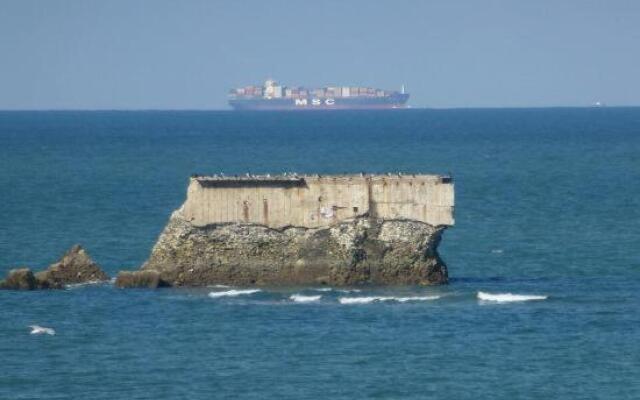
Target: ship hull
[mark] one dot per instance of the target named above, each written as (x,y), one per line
(329,103)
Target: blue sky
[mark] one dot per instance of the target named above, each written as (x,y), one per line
(187,54)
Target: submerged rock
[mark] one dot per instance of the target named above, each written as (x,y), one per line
(361,250)
(139,279)
(74,267)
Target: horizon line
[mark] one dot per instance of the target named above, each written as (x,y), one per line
(310,110)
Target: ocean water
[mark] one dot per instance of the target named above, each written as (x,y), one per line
(544,259)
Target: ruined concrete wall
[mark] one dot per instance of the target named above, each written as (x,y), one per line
(315,201)
(283,230)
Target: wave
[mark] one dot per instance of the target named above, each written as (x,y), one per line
(328,289)
(371,299)
(415,298)
(82,284)
(233,293)
(299,298)
(508,297)
(39,330)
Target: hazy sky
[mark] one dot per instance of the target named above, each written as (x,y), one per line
(187,54)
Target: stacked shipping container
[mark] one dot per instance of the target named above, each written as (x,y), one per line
(298,92)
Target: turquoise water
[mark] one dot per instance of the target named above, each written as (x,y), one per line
(547,203)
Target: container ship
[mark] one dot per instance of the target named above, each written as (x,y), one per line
(272,96)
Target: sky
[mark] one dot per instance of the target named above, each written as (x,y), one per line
(134,54)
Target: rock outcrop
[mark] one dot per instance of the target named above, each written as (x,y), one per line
(362,250)
(139,279)
(19,279)
(74,267)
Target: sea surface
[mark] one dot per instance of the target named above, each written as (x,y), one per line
(544,259)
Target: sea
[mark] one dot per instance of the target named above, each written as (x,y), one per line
(544,259)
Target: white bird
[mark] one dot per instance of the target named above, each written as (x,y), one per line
(39,330)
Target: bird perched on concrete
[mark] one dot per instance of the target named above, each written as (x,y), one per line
(40,330)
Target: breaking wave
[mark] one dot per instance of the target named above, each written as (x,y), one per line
(299,298)
(233,293)
(88,283)
(328,289)
(371,299)
(508,297)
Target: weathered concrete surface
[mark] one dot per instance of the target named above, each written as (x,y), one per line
(139,279)
(335,230)
(74,267)
(313,201)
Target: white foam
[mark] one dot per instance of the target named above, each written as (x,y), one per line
(329,289)
(41,330)
(77,285)
(349,290)
(508,297)
(221,286)
(233,293)
(371,299)
(357,300)
(416,298)
(497,251)
(299,298)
